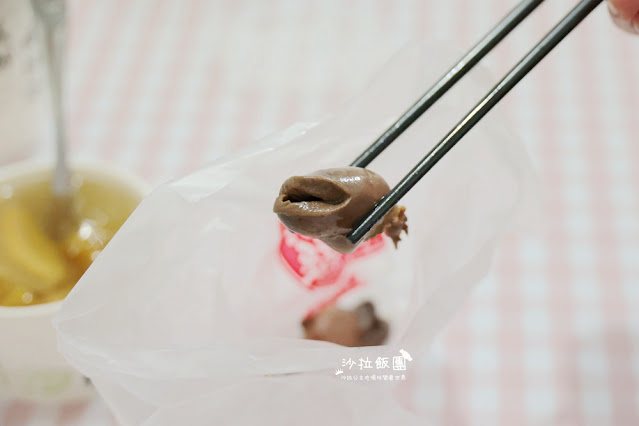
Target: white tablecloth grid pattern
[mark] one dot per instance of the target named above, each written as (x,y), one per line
(552,336)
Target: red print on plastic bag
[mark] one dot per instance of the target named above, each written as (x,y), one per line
(314,264)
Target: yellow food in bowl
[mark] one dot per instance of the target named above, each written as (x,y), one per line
(34,268)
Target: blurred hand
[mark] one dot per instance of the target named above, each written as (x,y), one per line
(625,13)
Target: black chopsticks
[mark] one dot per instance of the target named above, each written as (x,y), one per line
(552,39)
(460,69)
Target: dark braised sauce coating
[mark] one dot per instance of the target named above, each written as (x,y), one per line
(327,204)
(359,327)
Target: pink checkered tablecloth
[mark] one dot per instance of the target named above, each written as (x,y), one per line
(552,335)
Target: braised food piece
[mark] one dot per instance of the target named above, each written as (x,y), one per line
(327,204)
(359,327)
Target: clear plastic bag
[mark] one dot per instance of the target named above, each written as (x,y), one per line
(192,313)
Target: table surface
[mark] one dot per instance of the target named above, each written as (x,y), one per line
(552,336)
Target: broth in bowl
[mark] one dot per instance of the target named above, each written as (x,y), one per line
(34,267)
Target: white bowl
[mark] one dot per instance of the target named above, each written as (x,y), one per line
(30,366)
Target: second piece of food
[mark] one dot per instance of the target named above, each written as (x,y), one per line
(359,327)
